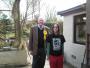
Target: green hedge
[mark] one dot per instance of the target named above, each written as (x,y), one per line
(51,24)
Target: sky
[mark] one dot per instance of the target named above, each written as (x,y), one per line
(58,5)
(61,5)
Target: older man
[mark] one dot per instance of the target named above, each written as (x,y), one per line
(36,44)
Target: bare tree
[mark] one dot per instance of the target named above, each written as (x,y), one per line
(51,15)
(32,10)
(16,17)
(32,6)
(8,3)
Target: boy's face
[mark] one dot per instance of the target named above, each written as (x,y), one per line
(55,28)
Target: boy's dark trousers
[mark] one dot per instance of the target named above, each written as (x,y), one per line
(39,59)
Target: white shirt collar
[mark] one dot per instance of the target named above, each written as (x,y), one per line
(41,27)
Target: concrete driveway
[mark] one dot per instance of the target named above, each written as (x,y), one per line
(47,65)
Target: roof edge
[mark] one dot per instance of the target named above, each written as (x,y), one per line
(76,9)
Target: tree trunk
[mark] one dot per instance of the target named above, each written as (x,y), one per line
(16,17)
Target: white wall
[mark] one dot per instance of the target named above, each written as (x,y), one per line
(71,48)
(88,16)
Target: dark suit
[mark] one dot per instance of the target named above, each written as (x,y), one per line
(39,55)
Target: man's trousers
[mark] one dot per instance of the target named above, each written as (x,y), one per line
(39,59)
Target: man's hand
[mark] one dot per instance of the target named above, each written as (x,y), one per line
(31,52)
(47,57)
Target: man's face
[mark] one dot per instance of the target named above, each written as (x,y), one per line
(41,22)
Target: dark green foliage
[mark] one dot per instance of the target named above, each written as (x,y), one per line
(6,30)
(51,24)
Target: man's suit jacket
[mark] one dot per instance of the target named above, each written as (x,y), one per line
(33,39)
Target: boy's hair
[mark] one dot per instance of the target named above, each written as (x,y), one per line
(58,28)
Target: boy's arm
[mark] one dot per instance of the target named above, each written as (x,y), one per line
(48,49)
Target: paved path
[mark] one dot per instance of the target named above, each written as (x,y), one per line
(29,66)
(47,65)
